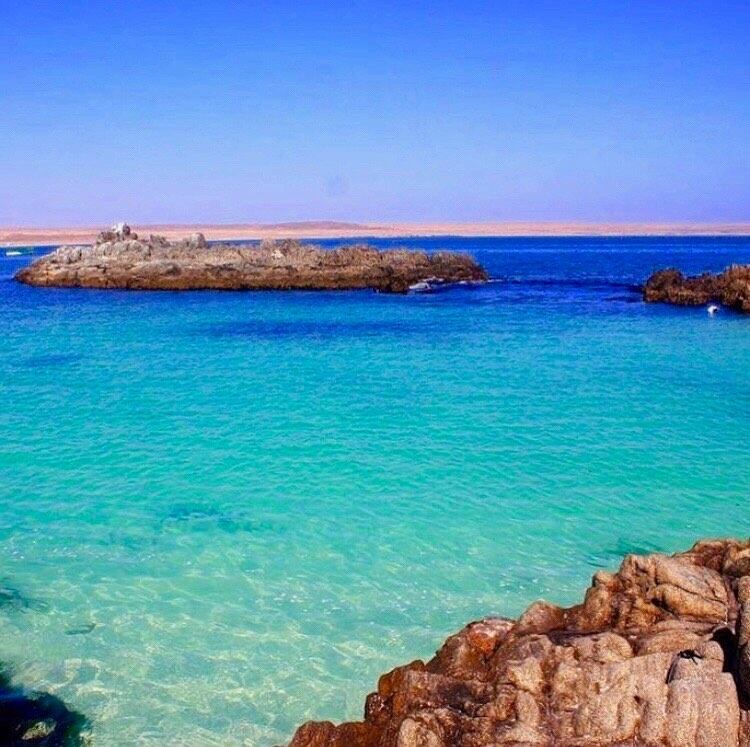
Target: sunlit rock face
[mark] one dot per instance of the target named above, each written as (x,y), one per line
(657,654)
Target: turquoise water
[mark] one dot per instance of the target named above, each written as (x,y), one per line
(226,513)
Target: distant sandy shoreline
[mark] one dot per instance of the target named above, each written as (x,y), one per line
(22,236)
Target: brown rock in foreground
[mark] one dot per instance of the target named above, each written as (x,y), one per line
(731,288)
(657,654)
(120,260)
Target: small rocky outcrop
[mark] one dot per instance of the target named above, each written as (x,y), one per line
(119,259)
(657,654)
(38,719)
(730,288)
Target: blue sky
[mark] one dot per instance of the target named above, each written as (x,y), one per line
(244,111)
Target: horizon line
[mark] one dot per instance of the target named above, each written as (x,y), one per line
(322,229)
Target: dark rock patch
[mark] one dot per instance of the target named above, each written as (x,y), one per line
(34,719)
(14,600)
(50,360)
(298,329)
(208,518)
(84,629)
(730,288)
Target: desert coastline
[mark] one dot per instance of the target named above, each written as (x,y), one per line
(375,375)
(52,235)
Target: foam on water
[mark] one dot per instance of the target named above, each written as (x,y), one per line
(225,513)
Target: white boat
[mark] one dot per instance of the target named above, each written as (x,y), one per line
(712,309)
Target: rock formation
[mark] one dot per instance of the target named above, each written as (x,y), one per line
(120,260)
(657,654)
(38,719)
(731,288)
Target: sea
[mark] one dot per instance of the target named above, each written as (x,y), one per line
(225,513)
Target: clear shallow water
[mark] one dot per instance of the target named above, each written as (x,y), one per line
(222,513)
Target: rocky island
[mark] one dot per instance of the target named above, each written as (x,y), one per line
(119,259)
(657,654)
(730,288)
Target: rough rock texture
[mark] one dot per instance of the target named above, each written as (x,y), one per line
(657,654)
(120,260)
(731,288)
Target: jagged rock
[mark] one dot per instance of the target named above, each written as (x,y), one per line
(730,288)
(118,232)
(121,230)
(119,260)
(197,240)
(657,654)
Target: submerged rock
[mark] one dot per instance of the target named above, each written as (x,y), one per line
(120,260)
(13,599)
(37,719)
(657,654)
(730,288)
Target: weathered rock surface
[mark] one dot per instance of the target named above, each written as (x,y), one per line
(657,654)
(731,288)
(120,260)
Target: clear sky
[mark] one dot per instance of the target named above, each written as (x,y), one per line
(217,111)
